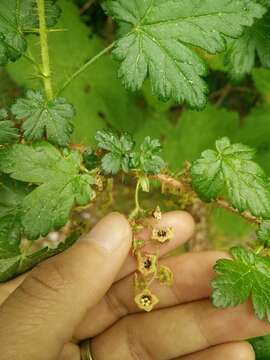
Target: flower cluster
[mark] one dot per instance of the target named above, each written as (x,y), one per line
(148,268)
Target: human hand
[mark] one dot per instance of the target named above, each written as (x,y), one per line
(70,298)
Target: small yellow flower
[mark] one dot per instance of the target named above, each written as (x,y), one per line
(146,300)
(147,264)
(165,275)
(157,214)
(163,235)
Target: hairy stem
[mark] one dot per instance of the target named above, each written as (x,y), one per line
(184,187)
(43,33)
(84,67)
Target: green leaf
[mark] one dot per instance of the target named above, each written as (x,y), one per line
(10,235)
(147,158)
(263,233)
(207,177)
(96,103)
(261,346)
(119,149)
(161,32)
(8,268)
(8,133)
(231,170)
(50,119)
(258,119)
(261,78)
(255,40)
(12,194)
(247,274)
(16,17)
(90,159)
(14,266)
(60,184)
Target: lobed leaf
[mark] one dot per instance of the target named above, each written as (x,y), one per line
(16,17)
(60,185)
(118,149)
(147,159)
(161,38)
(42,118)
(247,274)
(231,171)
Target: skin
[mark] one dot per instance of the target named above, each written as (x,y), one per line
(87,292)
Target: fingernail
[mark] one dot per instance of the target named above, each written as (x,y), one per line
(110,232)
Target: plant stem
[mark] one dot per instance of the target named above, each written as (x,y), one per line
(46,71)
(84,67)
(138,208)
(185,187)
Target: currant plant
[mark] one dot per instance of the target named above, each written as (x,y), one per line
(46,179)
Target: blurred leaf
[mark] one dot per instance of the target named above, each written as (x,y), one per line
(261,346)
(261,78)
(14,266)
(254,41)
(255,132)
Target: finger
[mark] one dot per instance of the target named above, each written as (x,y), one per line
(193,273)
(7,289)
(183,227)
(177,331)
(232,351)
(57,294)
(181,222)
(70,352)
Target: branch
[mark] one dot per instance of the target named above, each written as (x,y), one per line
(46,71)
(184,187)
(246,215)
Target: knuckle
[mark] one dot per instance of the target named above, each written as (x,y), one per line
(44,281)
(115,305)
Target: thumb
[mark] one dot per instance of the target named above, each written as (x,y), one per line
(42,313)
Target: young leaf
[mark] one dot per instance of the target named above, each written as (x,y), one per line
(17,16)
(60,184)
(118,151)
(255,40)
(247,274)
(147,158)
(16,265)
(231,170)
(52,119)
(159,43)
